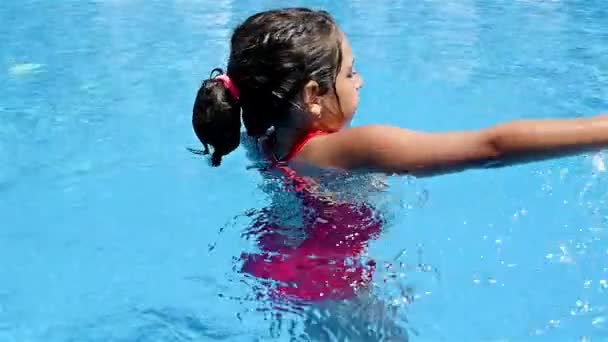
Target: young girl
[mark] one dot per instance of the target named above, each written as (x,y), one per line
(291,79)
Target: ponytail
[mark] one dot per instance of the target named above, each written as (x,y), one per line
(216,116)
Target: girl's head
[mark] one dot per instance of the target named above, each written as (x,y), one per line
(292,68)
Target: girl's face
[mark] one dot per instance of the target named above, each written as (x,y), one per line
(338,111)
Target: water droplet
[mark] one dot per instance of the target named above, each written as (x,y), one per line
(598,163)
(598,321)
(539,332)
(581,308)
(565,258)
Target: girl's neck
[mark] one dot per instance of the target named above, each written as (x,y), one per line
(285,140)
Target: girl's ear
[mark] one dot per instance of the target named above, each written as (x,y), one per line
(311,99)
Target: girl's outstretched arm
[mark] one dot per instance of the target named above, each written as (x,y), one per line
(395,150)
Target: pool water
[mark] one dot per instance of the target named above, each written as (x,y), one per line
(111,231)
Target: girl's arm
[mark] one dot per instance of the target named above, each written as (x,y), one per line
(391,149)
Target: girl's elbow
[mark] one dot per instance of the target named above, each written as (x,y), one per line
(494,147)
(495,151)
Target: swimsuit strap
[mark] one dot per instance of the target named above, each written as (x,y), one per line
(299,183)
(300,145)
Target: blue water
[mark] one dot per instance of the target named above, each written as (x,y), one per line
(107,222)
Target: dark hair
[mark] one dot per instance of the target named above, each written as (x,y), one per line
(273,55)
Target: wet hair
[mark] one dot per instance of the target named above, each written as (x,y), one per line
(273,55)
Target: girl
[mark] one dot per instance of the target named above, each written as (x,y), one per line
(291,79)
(291,75)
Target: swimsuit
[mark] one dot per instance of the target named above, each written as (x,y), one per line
(327,263)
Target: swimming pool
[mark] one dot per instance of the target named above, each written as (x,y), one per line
(111,231)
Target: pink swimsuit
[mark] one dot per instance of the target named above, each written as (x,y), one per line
(327,263)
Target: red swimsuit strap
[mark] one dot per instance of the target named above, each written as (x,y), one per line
(298,182)
(300,145)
